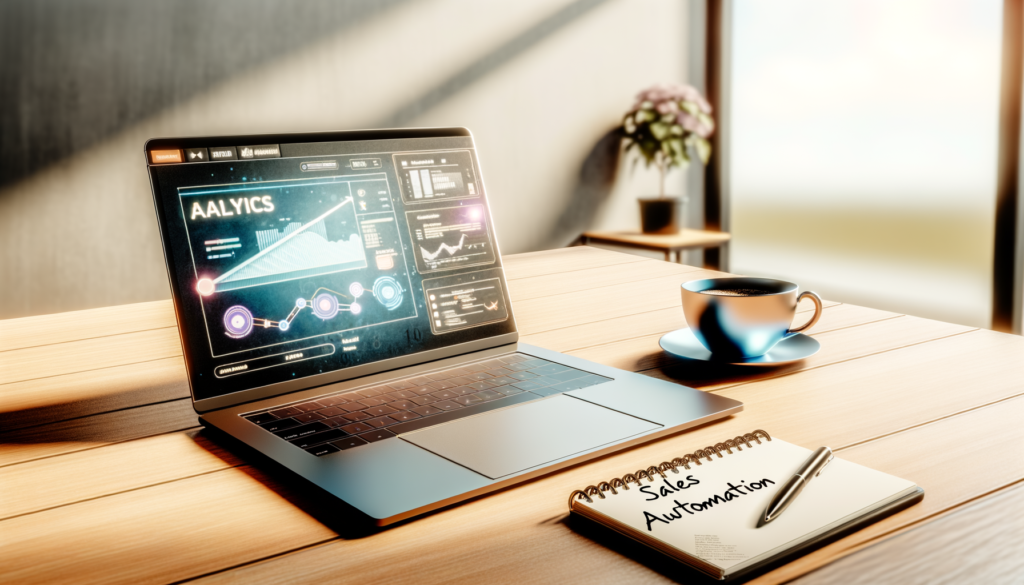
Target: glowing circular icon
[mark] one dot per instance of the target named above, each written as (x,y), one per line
(283,325)
(238,321)
(325,306)
(355,289)
(300,303)
(388,292)
(356,308)
(206,287)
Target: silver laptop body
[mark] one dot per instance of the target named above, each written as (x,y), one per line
(345,318)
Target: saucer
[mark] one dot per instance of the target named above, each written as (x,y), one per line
(683,343)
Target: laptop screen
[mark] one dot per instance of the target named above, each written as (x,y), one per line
(292,262)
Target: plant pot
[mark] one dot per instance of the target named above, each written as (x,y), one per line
(661,215)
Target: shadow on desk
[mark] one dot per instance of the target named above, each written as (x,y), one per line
(631,549)
(348,522)
(49,399)
(704,375)
(62,432)
(664,565)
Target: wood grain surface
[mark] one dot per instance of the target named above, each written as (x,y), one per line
(106,477)
(983,555)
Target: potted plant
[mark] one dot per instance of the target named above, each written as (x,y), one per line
(666,124)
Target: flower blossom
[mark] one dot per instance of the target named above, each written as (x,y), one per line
(660,95)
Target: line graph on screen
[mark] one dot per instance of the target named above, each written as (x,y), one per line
(297,251)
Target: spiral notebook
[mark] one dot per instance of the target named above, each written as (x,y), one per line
(703,508)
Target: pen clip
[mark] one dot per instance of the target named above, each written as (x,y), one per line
(831,456)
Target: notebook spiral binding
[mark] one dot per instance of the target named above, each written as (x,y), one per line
(684,461)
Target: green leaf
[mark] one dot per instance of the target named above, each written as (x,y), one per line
(703,148)
(660,130)
(649,148)
(675,150)
(706,119)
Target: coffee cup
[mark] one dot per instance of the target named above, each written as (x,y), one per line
(743,317)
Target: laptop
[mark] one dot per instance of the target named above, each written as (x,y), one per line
(344,312)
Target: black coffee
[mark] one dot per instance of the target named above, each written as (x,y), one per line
(736,292)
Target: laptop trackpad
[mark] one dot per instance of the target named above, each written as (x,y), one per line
(514,439)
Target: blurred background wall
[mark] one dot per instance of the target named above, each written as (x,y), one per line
(86,82)
(860,141)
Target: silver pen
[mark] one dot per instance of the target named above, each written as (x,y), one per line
(792,488)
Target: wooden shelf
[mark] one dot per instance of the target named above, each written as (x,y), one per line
(686,239)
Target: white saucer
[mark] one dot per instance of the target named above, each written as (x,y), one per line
(683,343)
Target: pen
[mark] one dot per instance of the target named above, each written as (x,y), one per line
(792,488)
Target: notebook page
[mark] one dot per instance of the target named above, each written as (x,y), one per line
(711,511)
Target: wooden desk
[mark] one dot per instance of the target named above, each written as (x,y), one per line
(670,244)
(105,476)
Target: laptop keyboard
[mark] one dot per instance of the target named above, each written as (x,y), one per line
(344,420)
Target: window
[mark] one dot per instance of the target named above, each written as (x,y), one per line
(863,150)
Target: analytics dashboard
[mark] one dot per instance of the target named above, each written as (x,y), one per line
(285,264)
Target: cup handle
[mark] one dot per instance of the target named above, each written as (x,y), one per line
(817,312)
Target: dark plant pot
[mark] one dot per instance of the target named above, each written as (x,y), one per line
(662,215)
